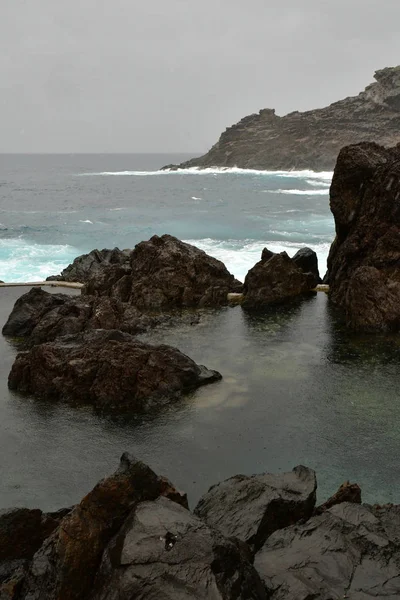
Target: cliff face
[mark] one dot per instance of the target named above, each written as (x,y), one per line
(312,139)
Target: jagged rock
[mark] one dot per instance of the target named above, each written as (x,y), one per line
(363,263)
(350,551)
(166,273)
(348,492)
(252,507)
(22,532)
(307,260)
(91,265)
(312,139)
(275,279)
(41,317)
(65,566)
(164,552)
(110,370)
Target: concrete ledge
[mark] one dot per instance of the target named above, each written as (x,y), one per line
(66,284)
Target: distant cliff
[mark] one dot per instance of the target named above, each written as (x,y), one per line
(312,139)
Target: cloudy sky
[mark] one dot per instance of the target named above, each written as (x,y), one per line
(165,76)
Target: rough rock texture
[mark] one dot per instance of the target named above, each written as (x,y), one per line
(251,508)
(22,532)
(364,260)
(65,566)
(166,273)
(165,552)
(350,551)
(348,492)
(312,139)
(307,260)
(42,317)
(91,265)
(275,279)
(110,370)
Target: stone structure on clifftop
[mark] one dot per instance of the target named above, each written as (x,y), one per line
(311,139)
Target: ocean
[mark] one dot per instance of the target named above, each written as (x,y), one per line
(55,207)
(297,387)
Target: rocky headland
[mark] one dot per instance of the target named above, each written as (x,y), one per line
(258,537)
(311,139)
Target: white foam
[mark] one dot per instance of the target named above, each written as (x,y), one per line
(195,198)
(323,192)
(322,175)
(86,221)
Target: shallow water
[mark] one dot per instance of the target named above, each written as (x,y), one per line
(297,388)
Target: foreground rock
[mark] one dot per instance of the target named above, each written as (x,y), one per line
(307,260)
(91,265)
(166,273)
(363,263)
(109,370)
(312,139)
(251,508)
(275,279)
(350,551)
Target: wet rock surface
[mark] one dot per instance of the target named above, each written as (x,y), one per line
(312,139)
(274,280)
(109,370)
(363,263)
(91,265)
(166,273)
(307,260)
(252,507)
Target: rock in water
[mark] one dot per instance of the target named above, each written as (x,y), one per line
(166,273)
(108,369)
(275,279)
(65,566)
(163,551)
(350,551)
(312,139)
(307,260)
(363,263)
(252,507)
(91,265)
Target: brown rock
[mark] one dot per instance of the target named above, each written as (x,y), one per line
(363,263)
(110,370)
(90,265)
(22,532)
(275,279)
(348,492)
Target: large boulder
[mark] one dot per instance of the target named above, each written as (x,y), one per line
(64,568)
(166,273)
(39,316)
(164,552)
(109,370)
(252,507)
(350,551)
(275,279)
(363,263)
(91,265)
(307,260)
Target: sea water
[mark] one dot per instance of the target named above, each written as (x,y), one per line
(53,208)
(297,387)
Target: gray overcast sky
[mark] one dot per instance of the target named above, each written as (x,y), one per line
(170,75)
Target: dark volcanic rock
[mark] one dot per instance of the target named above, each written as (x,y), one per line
(350,551)
(364,260)
(251,508)
(348,492)
(275,279)
(65,566)
(22,532)
(109,370)
(165,552)
(307,260)
(91,265)
(42,317)
(166,273)
(312,139)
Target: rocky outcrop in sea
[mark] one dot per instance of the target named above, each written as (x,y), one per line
(311,139)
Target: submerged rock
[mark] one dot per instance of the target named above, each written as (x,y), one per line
(109,370)
(363,263)
(311,139)
(350,551)
(166,273)
(275,279)
(91,265)
(252,507)
(163,551)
